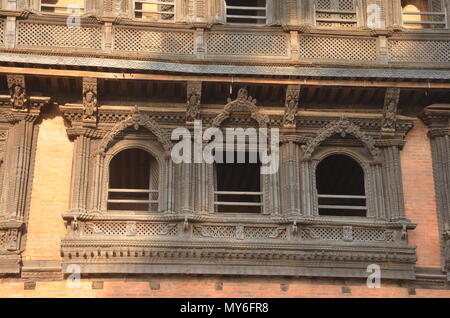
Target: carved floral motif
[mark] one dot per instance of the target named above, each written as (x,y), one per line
(136,120)
(342,127)
(243,102)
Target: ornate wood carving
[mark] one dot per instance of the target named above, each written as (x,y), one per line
(90,99)
(341,127)
(243,102)
(17,90)
(136,120)
(437,118)
(389,120)
(194,96)
(291,106)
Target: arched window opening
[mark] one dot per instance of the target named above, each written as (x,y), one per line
(419,14)
(63,6)
(246,11)
(238,186)
(340,187)
(133,181)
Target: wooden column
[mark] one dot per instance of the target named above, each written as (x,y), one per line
(291,193)
(80,171)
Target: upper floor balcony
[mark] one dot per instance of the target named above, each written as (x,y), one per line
(403,33)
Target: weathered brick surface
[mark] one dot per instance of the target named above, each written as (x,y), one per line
(420,199)
(205,287)
(50,189)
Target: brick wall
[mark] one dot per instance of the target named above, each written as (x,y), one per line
(420,199)
(50,189)
(189,287)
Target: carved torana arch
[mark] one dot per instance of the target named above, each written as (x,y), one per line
(136,120)
(341,127)
(243,101)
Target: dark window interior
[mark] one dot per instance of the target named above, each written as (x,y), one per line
(246,15)
(238,177)
(135,172)
(342,179)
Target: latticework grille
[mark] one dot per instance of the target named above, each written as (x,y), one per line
(156,229)
(2,32)
(105,228)
(228,231)
(53,35)
(322,233)
(124,229)
(147,41)
(2,239)
(337,48)
(372,235)
(264,233)
(337,234)
(214,231)
(336,13)
(246,44)
(419,51)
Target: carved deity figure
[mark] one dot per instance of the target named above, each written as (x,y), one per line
(18,97)
(193,105)
(291,109)
(89,103)
(390,115)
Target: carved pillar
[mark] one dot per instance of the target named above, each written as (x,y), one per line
(437,118)
(291,192)
(204,188)
(17,165)
(96,188)
(307,13)
(217,11)
(394,14)
(80,171)
(19,114)
(392,181)
(168,204)
(307,188)
(277,12)
(10,32)
(378,195)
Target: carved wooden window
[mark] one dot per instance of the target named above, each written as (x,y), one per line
(156,10)
(336,13)
(63,6)
(238,185)
(340,187)
(424,14)
(133,181)
(246,11)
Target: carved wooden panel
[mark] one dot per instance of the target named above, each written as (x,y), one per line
(431,51)
(247,44)
(58,36)
(154,41)
(337,48)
